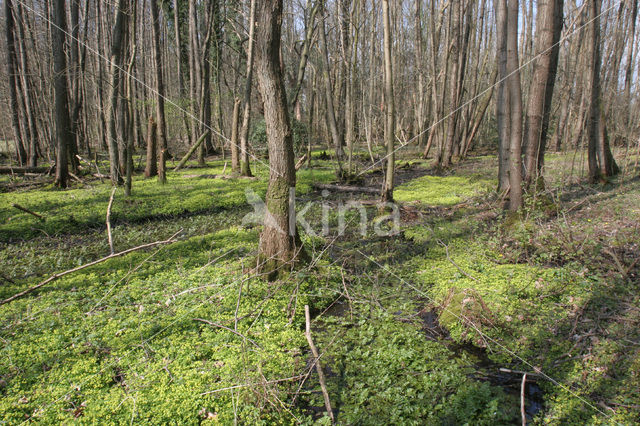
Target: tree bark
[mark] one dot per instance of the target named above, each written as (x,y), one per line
(280,246)
(332,124)
(548,29)
(515,104)
(151,168)
(245,169)
(159,89)
(390,128)
(13,82)
(113,89)
(63,121)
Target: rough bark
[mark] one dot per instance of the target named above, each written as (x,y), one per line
(13,82)
(389,136)
(515,113)
(280,245)
(548,29)
(113,89)
(159,89)
(63,121)
(151,168)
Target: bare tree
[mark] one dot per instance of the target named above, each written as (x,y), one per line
(113,89)
(12,73)
(280,245)
(390,128)
(63,121)
(515,108)
(245,169)
(548,29)
(161,130)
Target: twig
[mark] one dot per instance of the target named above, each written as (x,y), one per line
(108,220)
(26,210)
(81,267)
(213,324)
(446,248)
(523,413)
(314,351)
(224,169)
(288,379)
(7,279)
(235,316)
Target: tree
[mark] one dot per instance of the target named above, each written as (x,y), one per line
(548,30)
(113,89)
(390,128)
(515,108)
(63,121)
(332,124)
(161,130)
(502,103)
(245,170)
(12,73)
(280,244)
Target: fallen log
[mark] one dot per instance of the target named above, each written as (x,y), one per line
(191,151)
(86,265)
(22,170)
(347,188)
(220,177)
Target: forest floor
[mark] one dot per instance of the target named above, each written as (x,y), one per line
(432,325)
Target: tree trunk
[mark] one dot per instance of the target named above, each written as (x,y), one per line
(280,246)
(13,82)
(389,136)
(113,89)
(245,169)
(332,124)
(162,127)
(63,121)
(502,101)
(548,29)
(235,160)
(515,104)
(151,168)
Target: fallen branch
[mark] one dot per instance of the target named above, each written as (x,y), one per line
(213,324)
(81,267)
(314,351)
(15,170)
(108,220)
(26,210)
(76,178)
(220,177)
(347,188)
(301,161)
(191,151)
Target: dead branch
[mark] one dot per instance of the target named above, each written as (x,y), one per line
(301,161)
(22,170)
(314,351)
(191,151)
(220,177)
(213,324)
(347,188)
(26,210)
(86,265)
